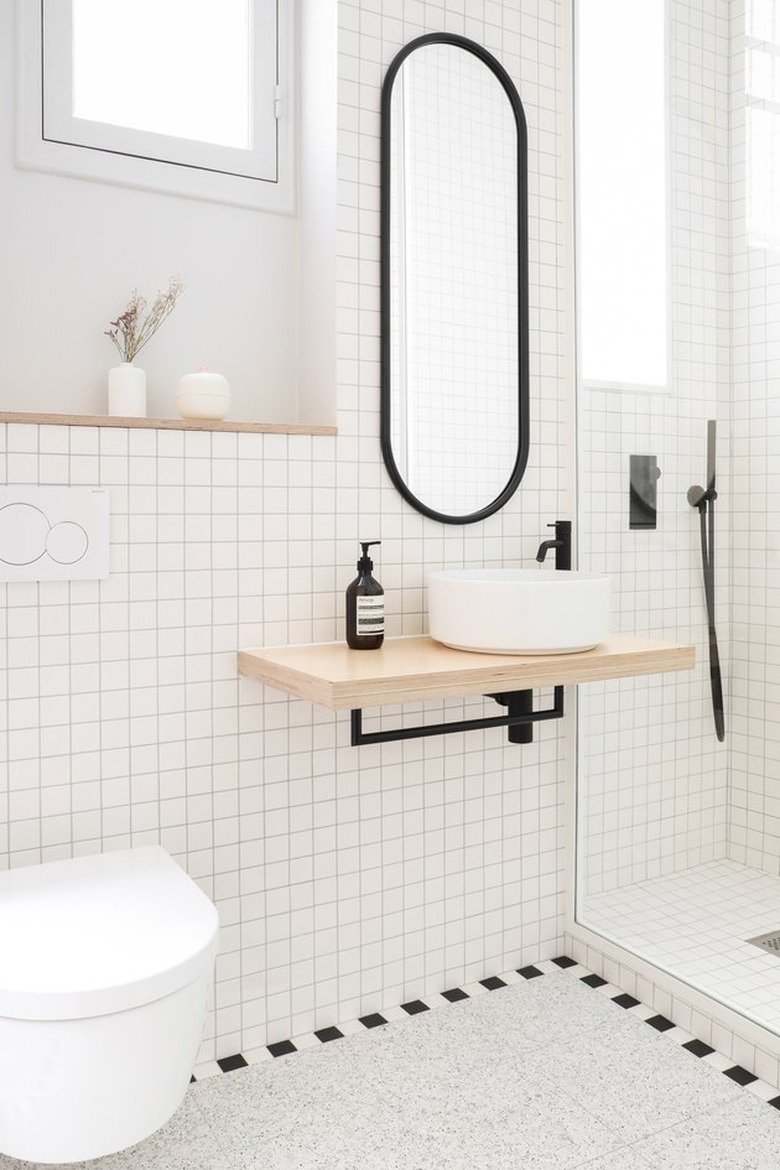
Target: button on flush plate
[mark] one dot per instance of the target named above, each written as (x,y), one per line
(50,533)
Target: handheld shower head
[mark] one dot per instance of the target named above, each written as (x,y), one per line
(697,496)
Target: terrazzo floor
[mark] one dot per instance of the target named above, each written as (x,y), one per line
(541,1074)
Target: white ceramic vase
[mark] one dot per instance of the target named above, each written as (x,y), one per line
(127,391)
(203,395)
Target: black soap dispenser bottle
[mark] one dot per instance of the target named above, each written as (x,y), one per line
(365,606)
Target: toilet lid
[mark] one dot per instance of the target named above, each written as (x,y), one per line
(99,934)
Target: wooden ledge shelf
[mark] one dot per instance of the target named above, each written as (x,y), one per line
(413,669)
(164,424)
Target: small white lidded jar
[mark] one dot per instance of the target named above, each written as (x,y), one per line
(203,395)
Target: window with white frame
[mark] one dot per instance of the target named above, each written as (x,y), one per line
(178,95)
(621,154)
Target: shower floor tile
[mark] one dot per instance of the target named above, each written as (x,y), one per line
(695,924)
(553,1073)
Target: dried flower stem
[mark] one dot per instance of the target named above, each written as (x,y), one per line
(132,330)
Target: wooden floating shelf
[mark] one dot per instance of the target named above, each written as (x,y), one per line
(412,669)
(164,424)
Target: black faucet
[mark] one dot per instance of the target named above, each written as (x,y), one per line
(561,544)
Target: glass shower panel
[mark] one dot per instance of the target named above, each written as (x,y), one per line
(678,836)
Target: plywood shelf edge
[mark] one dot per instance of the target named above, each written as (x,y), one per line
(164,424)
(417,669)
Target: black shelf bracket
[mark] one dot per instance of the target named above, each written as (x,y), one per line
(519,721)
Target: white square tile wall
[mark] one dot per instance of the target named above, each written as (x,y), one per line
(346,879)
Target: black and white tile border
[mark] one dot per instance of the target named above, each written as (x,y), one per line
(735,1072)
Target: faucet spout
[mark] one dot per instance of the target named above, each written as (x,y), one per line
(545,547)
(561,543)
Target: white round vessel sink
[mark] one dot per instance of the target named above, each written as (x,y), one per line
(519,611)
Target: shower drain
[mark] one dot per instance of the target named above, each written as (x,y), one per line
(768,942)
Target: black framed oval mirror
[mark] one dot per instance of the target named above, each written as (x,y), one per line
(454,303)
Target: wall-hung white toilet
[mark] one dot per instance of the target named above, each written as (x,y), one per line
(105,967)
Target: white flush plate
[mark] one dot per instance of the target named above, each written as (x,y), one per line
(53,533)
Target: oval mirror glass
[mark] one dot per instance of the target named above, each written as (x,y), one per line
(454,279)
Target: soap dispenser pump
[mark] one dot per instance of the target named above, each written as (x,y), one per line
(365,606)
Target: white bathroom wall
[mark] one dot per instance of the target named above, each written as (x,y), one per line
(755,138)
(347,879)
(317,210)
(653,779)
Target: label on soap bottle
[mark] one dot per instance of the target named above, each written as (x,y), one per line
(370,614)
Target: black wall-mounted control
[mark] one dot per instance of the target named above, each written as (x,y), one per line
(643,481)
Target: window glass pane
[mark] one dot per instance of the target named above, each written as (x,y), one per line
(763,74)
(763,173)
(175,67)
(762,120)
(622,192)
(762,20)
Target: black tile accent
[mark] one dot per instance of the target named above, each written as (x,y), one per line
(414,1007)
(563,961)
(372,1021)
(326,1034)
(231,1063)
(660,1023)
(493,983)
(282,1048)
(698,1048)
(593,981)
(740,1075)
(625,1000)
(455,993)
